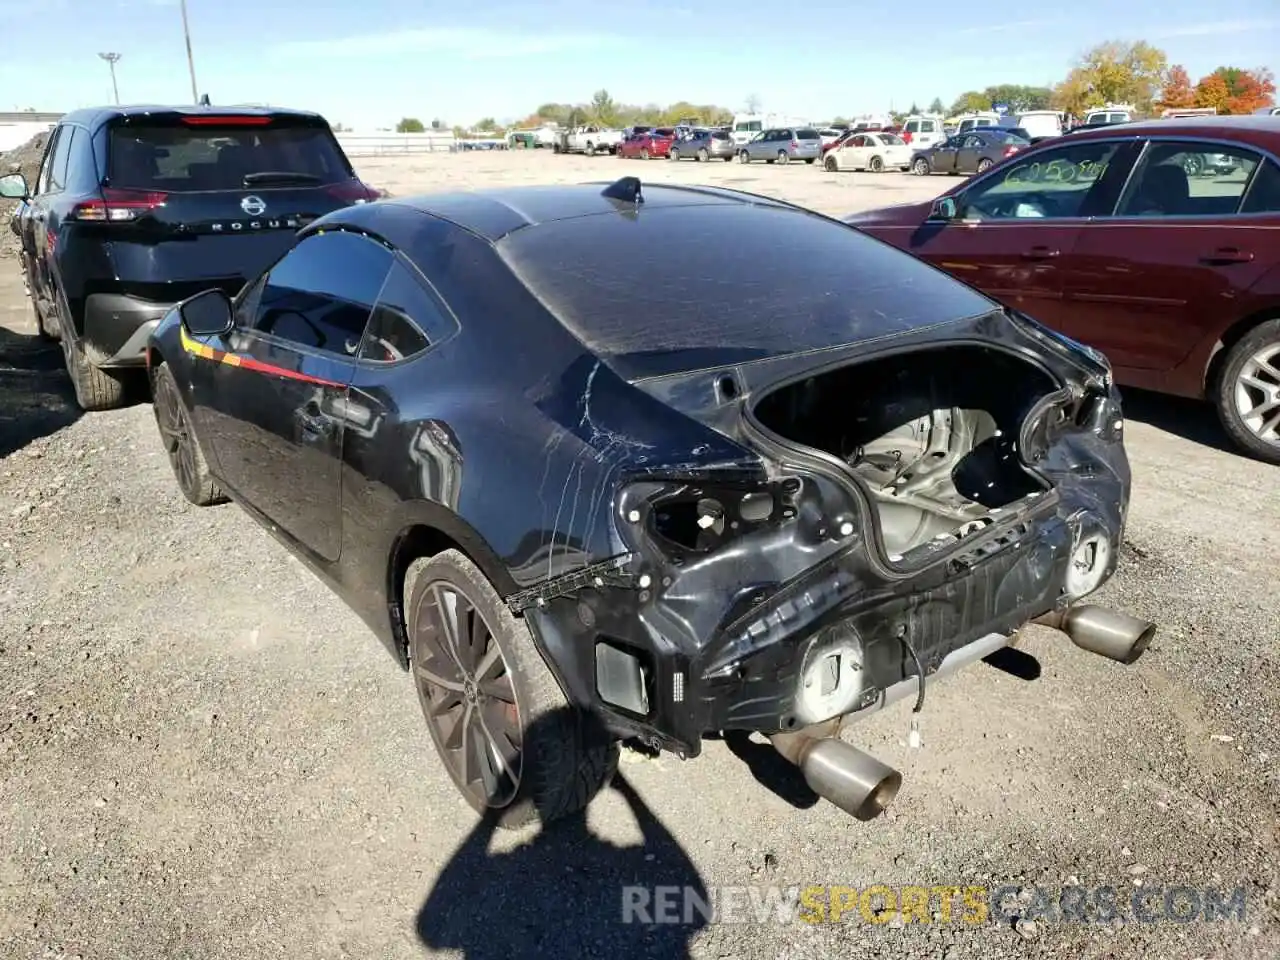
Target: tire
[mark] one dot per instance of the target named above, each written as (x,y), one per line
(984,165)
(96,389)
(1244,381)
(673,154)
(591,149)
(644,154)
(921,167)
(180,441)
(875,165)
(744,157)
(830,165)
(563,759)
(703,154)
(1193,164)
(783,156)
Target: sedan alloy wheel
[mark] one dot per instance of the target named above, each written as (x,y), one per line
(920,167)
(1257,393)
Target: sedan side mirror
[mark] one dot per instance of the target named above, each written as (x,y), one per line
(14,187)
(945,208)
(207,314)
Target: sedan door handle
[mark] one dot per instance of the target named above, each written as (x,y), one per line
(1228,255)
(1041,253)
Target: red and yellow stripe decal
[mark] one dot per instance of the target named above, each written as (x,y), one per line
(202,350)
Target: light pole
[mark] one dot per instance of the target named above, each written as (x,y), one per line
(111,59)
(191,64)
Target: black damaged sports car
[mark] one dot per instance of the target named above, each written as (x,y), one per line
(601,462)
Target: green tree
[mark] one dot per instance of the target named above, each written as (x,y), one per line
(603,110)
(1018,96)
(487,123)
(936,106)
(913,110)
(970,101)
(410,125)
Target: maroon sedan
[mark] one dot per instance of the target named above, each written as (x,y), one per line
(647,145)
(1157,243)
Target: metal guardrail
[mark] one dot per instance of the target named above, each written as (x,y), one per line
(382,144)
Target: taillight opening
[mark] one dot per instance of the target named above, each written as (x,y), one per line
(118,206)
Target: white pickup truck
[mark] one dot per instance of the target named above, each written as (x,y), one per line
(590,139)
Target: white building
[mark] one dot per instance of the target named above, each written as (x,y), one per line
(17,128)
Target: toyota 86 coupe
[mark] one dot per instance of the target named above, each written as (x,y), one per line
(592,475)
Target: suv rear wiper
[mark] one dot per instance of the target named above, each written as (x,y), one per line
(279,176)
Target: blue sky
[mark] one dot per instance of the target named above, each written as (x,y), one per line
(370,62)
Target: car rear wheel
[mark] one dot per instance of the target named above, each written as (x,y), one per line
(180,443)
(508,737)
(876,165)
(744,157)
(984,165)
(783,157)
(644,154)
(830,165)
(704,154)
(1247,392)
(920,167)
(96,389)
(673,154)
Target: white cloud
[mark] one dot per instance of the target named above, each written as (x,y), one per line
(468,42)
(1218,28)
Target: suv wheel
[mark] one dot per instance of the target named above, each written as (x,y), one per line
(511,742)
(1247,392)
(96,389)
(783,156)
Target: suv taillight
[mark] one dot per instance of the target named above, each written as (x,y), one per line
(354,191)
(118,206)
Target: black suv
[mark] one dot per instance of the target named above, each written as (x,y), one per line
(137,208)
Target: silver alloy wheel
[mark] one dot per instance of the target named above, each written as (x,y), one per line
(921,167)
(1257,394)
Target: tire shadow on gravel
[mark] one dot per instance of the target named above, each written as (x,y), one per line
(1189,419)
(564,893)
(36,397)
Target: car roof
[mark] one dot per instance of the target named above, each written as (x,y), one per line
(495,213)
(94,117)
(1247,127)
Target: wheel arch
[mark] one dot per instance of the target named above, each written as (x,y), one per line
(1229,338)
(423,535)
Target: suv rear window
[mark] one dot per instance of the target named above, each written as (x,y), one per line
(720,135)
(808,135)
(174,157)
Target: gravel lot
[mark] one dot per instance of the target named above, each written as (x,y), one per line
(203,754)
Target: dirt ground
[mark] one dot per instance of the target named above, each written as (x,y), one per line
(204,755)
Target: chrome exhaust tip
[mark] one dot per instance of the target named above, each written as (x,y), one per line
(1108,633)
(839,772)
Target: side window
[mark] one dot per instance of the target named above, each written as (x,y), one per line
(320,294)
(1181,179)
(1052,183)
(50,154)
(913,126)
(407,318)
(61,157)
(1264,192)
(928,126)
(972,143)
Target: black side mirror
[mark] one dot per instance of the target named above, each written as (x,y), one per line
(207,314)
(945,208)
(14,187)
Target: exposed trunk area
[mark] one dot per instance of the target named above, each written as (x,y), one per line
(932,435)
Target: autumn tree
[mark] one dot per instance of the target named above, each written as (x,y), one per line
(1114,72)
(1240,91)
(1212,91)
(1176,93)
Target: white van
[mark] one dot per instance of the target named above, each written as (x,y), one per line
(747,125)
(1041,123)
(1111,113)
(971,121)
(920,132)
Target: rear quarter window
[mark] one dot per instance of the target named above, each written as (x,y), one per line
(175,157)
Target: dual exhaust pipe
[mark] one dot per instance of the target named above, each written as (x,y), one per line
(863,787)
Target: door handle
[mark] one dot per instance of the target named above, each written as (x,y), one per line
(1228,255)
(1040,253)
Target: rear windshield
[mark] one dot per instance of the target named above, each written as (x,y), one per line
(808,135)
(1015,136)
(174,157)
(640,290)
(720,135)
